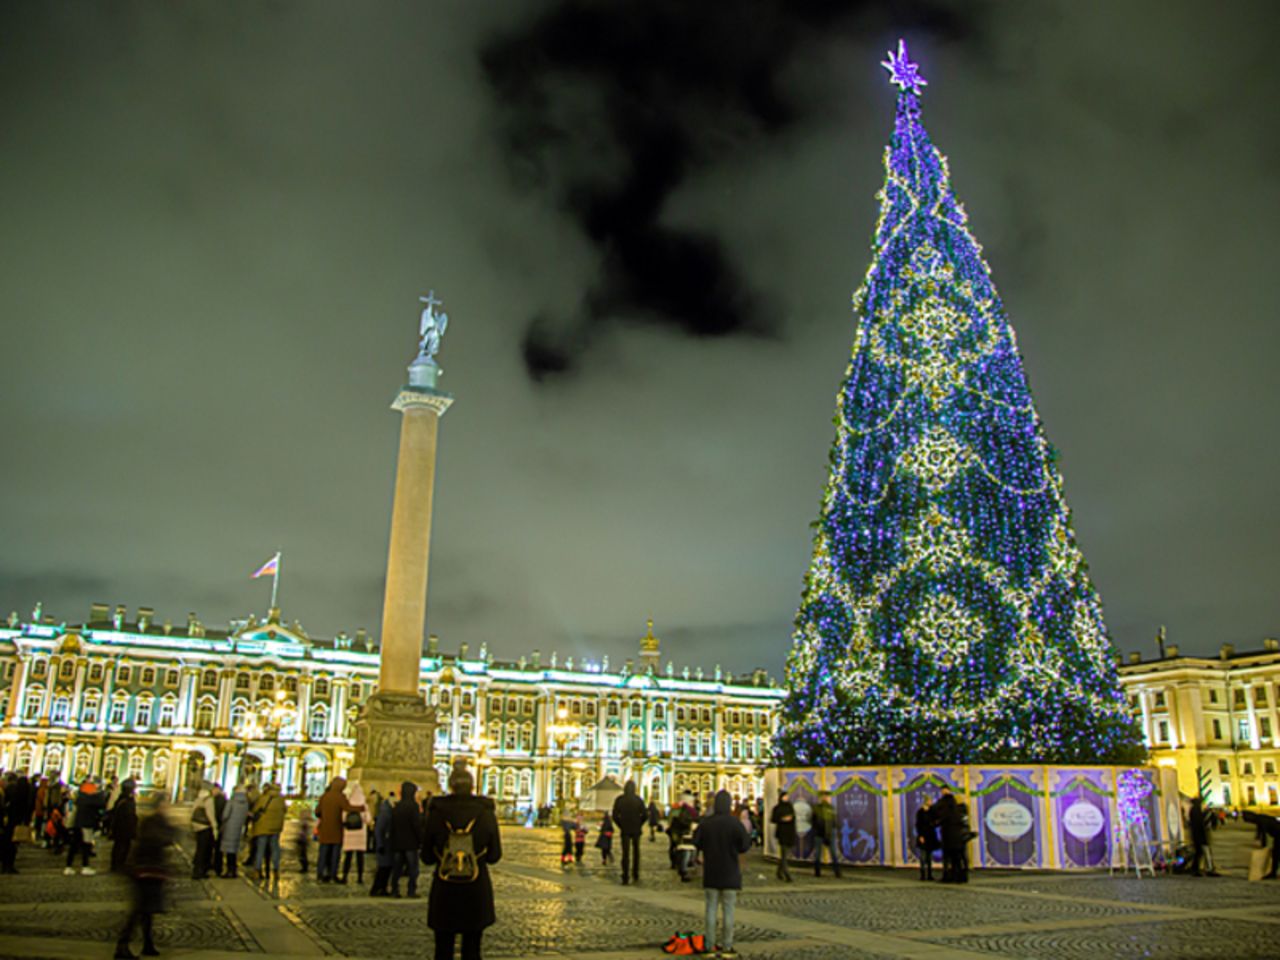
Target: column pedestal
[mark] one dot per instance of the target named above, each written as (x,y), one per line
(395,741)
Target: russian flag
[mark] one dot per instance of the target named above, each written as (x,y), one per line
(268,569)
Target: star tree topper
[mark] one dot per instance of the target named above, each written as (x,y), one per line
(902,72)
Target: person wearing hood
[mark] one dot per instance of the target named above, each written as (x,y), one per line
(462,840)
(926,838)
(355,833)
(629,816)
(235,814)
(722,839)
(406,839)
(655,818)
(783,819)
(219,808)
(604,841)
(85,824)
(382,848)
(124,825)
(332,811)
(268,823)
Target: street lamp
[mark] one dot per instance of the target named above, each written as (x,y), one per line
(561,732)
(253,729)
(480,744)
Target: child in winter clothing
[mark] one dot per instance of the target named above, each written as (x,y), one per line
(579,838)
(604,842)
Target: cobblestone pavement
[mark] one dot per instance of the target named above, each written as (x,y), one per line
(583,911)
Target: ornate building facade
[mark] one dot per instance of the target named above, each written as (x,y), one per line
(172,705)
(1215,719)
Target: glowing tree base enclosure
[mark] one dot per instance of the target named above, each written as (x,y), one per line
(947,614)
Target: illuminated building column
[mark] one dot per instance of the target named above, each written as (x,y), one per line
(395,734)
(1253,717)
(17,689)
(226,690)
(304,707)
(77,693)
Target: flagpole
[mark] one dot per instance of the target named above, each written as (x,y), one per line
(275,581)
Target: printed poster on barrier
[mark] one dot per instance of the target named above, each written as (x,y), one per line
(803,785)
(1082,804)
(1008,817)
(913,786)
(859,797)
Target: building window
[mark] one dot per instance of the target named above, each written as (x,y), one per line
(1264,726)
(319,728)
(239,713)
(118,708)
(39,667)
(680,714)
(1260,696)
(1269,768)
(1224,768)
(95,673)
(1159,700)
(527,707)
(637,710)
(1247,770)
(1213,696)
(1238,697)
(242,681)
(124,674)
(148,676)
(575,708)
(67,669)
(61,710)
(1164,731)
(613,708)
(291,684)
(90,712)
(591,708)
(137,763)
(35,699)
(204,716)
(266,683)
(1226,795)
(468,700)
(445,698)
(142,715)
(168,712)
(495,704)
(659,712)
(1217,729)
(171,678)
(1242,729)
(209,678)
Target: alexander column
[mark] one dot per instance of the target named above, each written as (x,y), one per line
(395,733)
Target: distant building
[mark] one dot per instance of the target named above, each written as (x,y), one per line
(1213,716)
(170,705)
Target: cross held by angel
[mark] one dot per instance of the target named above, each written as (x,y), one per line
(432,326)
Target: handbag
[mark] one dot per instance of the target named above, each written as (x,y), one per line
(22,833)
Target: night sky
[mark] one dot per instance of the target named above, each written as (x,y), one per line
(645,218)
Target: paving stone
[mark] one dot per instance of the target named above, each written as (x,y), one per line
(1200,939)
(207,928)
(909,908)
(1178,891)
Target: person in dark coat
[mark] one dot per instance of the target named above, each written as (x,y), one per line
(630,816)
(124,825)
(219,814)
(604,842)
(824,833)
(90,803)
(1268,828)
(458,908)
(655,819)
(954,822)
(406,839)
(926,838)
(722,839)
(148,870)
(783,819)
(386,858)
(1199,836)
(943,814)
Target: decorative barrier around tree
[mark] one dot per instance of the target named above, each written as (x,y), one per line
(1025,816)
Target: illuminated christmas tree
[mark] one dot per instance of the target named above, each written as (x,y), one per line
(947,613)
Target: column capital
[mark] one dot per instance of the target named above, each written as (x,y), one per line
(411,398)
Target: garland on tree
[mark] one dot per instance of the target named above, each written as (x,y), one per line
(947,614)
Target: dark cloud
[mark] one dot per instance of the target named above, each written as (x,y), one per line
(609,109)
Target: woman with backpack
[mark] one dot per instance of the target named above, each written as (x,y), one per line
(355,833)
(462,840)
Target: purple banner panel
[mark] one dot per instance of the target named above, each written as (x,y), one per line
(859,797)
(803,785)
(1082,807)
(915,785)
(1008,816)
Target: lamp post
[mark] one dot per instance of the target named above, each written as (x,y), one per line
(480,745)
(561,732)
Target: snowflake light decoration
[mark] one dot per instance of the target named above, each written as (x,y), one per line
(902,72)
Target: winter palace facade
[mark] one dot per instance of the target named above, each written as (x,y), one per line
(170,705)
